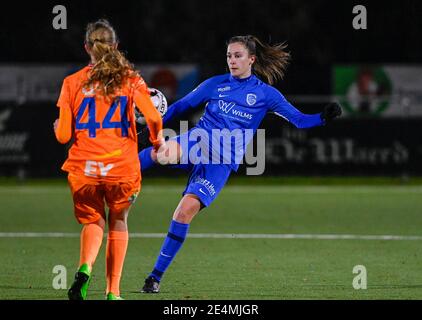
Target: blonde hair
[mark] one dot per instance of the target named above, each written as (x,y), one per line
(271,60)
(111,68)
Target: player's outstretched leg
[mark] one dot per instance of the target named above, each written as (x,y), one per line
(188,207)
(173,242)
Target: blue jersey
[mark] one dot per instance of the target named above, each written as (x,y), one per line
(239,105)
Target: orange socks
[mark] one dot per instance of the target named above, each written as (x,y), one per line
(91,239)
(117,242)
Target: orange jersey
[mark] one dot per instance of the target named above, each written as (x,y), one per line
(105,146)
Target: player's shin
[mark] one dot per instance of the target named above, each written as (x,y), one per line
(117,242)
(173,242)
(91,239)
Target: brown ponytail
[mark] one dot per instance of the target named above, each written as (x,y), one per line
(111,68)
(271,60)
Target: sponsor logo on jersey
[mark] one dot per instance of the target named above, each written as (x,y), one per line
(228,108)
(226,88)
(224,106)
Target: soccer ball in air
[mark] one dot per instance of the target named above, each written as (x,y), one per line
(159,101)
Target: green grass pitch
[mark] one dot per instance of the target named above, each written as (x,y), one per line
(228,268)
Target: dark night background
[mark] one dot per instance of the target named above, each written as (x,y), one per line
(319,34)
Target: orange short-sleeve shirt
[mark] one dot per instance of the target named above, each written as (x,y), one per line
(105,139)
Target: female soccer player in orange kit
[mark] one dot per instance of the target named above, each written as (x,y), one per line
(103,167)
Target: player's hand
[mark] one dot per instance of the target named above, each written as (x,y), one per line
(157,144)
(169,153)
(331,111)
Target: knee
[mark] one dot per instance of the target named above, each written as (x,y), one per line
(187,210)
(117,217)
(100,222)
(183,216)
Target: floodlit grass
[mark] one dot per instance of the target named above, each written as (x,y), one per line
(228,268)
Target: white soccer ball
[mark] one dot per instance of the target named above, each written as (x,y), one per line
(159,101)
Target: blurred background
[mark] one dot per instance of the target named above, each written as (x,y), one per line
(376,74)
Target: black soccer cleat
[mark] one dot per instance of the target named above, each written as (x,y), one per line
(151,285)
(79,288)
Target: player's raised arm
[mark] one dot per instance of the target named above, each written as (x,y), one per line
(193,99)
(152,117)
(281,107)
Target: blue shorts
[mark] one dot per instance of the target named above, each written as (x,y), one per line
(206,180)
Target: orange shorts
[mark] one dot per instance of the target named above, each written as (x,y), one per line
(90,198)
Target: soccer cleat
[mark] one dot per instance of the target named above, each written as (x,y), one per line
(151,285)
(112,296)
(79,287)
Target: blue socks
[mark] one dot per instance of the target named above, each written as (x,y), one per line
(145,159)
(173,242)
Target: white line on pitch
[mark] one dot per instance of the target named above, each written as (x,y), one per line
(223,236)
(155,190)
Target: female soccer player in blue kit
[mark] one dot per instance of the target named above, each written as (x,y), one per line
(237,101)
